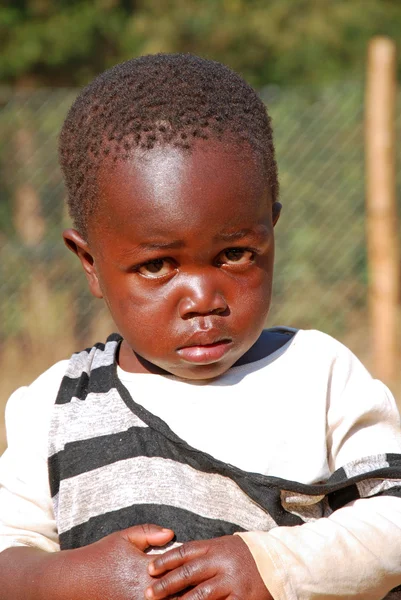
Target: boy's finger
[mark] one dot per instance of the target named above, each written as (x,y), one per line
(186,576)
(143,536)
(176,557)
(208,589)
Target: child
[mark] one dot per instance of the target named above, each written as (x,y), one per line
(257,463)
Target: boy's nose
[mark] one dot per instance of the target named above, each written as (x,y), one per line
(201,297)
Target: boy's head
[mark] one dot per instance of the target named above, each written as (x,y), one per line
(174,99)
(172,185)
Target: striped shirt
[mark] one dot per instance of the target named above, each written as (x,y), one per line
(113,463)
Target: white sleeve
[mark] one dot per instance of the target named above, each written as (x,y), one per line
(26,509)
(355,553)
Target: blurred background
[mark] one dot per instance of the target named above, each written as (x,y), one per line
(307,59)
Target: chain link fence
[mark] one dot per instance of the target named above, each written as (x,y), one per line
(320,276)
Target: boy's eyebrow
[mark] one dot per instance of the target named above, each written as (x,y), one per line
(225,237)
(162,245)
(237,235)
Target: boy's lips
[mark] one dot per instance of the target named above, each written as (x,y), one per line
(203,352)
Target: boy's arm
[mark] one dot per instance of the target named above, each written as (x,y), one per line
(26,510)
(114,567)
(355,552)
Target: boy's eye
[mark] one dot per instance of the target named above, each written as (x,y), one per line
(156,268)
(238,256)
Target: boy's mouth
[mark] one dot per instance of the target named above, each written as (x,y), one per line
(205,353)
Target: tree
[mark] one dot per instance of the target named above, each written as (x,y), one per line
(67,42)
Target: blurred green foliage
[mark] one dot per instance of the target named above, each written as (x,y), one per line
(67,42)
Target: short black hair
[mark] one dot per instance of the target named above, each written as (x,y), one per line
(160,98)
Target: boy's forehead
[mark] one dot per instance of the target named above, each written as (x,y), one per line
(181,184)
(166,168)
(149,174)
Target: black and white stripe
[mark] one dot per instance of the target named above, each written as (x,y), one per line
(112,464)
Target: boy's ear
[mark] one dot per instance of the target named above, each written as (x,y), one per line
(276,211)
(79,246)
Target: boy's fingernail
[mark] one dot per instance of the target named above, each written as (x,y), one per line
(149,594)
(167,530)
(151,568)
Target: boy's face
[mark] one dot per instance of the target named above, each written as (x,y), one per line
(181,248)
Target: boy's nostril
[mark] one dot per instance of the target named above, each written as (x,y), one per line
(190,308)
(216,311)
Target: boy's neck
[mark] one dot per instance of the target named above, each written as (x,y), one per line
(268,342)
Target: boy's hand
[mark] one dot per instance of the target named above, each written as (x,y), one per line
(217,569)
(114,567)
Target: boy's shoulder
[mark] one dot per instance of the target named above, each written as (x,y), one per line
(44,387)
(307,340)
(101,354)
(312,349)
(288,344)
(42,392)
(28,410)
(318,342)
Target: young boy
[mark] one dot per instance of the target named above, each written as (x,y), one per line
(257,463)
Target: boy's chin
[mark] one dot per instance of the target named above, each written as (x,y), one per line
(196,371)
(184,369)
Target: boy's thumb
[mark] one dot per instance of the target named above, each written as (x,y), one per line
(143,536)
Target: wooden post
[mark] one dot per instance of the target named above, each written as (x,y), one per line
(381,213)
